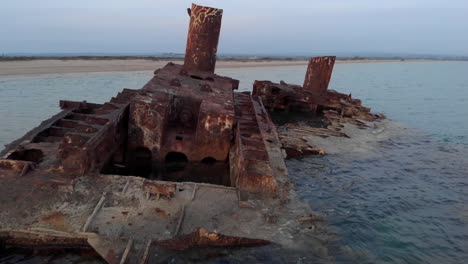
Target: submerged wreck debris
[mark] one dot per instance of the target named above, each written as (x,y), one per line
(298,147)
(315,98)
(158,166)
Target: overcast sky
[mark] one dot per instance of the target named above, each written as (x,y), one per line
(249,26)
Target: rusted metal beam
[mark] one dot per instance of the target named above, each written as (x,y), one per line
(203,36)
(203,238)
(318,74)
(65,104)
(164,189)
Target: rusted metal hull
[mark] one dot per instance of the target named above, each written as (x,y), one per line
(112,176)
(313,96)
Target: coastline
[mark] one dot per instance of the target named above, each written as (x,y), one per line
(58,66)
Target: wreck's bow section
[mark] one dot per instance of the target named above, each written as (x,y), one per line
(330,109)
(314,96)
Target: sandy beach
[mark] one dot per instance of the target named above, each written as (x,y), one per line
(72,66)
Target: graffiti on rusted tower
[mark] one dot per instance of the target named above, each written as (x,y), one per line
(203,36)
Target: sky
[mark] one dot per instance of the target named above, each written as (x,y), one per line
(248,26)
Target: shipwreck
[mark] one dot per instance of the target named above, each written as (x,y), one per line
(184,162)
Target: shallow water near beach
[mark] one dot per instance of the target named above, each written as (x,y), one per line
(404,201)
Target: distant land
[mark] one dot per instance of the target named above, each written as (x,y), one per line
(225,57)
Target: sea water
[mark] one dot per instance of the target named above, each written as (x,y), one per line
(406,202)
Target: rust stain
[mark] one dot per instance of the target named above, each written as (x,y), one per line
(56,220)
(202,238)
(161,212)
(112,256)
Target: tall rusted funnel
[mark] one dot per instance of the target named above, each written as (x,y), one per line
(203,36)
(318,74)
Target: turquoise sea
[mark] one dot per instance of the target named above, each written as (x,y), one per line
(405,203)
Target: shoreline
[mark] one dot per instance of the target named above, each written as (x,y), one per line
(59,66)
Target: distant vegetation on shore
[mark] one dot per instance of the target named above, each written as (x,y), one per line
(30,58)
(226,58)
